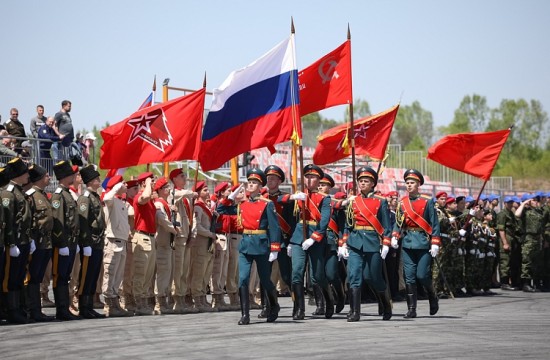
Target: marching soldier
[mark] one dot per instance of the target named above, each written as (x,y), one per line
(418,226)
(367,228)
(18,217)
(41,232)
(316,210)
(64,239)
(92,241)
(260,244)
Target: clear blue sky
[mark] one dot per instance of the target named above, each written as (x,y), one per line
(102,55)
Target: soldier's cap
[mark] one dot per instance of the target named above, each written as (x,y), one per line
(494,197)
(256,174)
(327,179)
(367,171)
(484,197)
(115,180)
(312,169)
(450,200)
(460,198)
(36,172)
(540,194)
(414,174)
(63,169)
(160,183)
(340,195)
(16,167)
(393,194)
(4,180)
(175,173)
(221,187)
(440,194)
(199,186)
(527,196)
(141,178)
(275,170)
(88,173)
(469,198)
(516,199)
(131,183)
(508,199)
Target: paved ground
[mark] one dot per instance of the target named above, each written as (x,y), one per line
(511,325)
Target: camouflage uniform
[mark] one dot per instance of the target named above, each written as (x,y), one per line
(507,222)
(531,245)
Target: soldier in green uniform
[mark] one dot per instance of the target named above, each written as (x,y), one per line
(18,216)
(446,246)
(416,222)
(64,239)
(41,232)
(507,227)
(91,240)
(530,216)
(545,204)
(3,299)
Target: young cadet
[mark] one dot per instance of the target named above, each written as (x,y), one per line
(260,244)
(417,224)
(368,228)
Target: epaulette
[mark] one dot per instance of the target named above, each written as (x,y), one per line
(10,187)
(30,192)
(379,197)
(86,193)
(59,190)
(264,199)
(425,196)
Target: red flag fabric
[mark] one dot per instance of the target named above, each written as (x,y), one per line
(471,153)
(327,82)
(169,131)
(372,134)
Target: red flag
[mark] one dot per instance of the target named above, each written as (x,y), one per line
(168,131)
(326,82)
(372,134)
(475,154)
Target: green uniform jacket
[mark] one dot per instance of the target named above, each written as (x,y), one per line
(17,215)
(42,219)
(65,219)
(92,220)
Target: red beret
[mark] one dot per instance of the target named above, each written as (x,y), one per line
(235,187)
(221,187)
(393,193)
(144,176)
(199,185)
(450,200)
(340,195)
(131,183)
(175,173)
(160,183)
(113,181)
(440,194)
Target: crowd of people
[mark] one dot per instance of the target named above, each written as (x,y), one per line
(151,246)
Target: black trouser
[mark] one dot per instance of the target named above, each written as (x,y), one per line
(90,268)
(37,265)
(15,269)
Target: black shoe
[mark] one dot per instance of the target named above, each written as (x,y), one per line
(245,320)
(508,287)
(529,288)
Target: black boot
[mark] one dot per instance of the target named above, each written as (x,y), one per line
(329,301)
(61,295)
(264,304)
(411,301)
(35,305)
(300,302)
(527,286)
(340,297)
(355,304)
(319,300)
(84,307)
(15,315)
(350,300)
(245,306)
(273,305)
(386,305)
(380,304)
(433,299)
(90,306)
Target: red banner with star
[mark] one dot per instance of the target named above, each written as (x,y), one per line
(169,131)
(371,133)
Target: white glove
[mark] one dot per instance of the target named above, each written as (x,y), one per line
(452,219)
(394,242)
(289,250)
(472,252)
(14,251)
(307,244)
(33,246)
(490,254)
(434,250)
(343,252)
(298,196)
(462,232)
(87,251)
(77,248)
(384,251)
(236,192)
(460,252)
(481,255)
(273,256)
(472,212)
(64,251)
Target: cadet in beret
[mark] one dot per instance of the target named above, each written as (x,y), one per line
(417,223)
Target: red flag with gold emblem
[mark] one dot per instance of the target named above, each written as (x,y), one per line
(168,131)
(371,133)
(326,82)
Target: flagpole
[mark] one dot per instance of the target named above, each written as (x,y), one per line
(164,99)
(351,131)
(154,92)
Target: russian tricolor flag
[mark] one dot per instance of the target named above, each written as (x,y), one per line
(255,107)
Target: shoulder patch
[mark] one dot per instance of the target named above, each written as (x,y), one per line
(10,187)
(56,204)
(87,193)
(5,202)
(58,190)
(30,192)
(83,207)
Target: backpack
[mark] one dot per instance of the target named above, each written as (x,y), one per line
(75,154)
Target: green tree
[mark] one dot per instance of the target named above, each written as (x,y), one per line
(412,120)
(361,109)
(471,116)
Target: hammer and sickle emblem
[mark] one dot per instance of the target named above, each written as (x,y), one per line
(330,72)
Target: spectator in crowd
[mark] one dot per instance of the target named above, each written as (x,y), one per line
(64,123)
(16,128)
(37,121)
(6,145)
(89,142)
(47,132)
